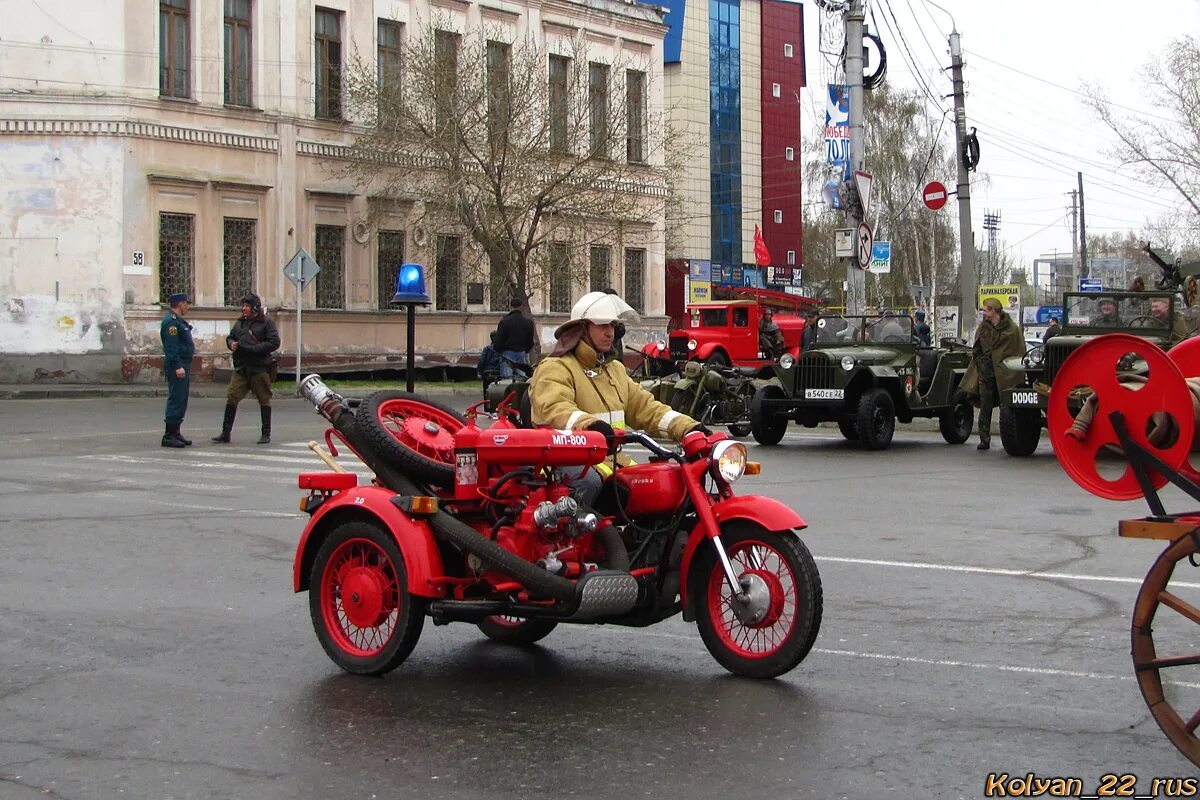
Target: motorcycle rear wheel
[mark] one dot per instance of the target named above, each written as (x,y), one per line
(513,630)
(358,598)
(778,563)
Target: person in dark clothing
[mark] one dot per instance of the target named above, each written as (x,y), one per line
(922,330)
(770,337)
(514,337)
(178,350)
(808,337)
(1052,330)
(253,340)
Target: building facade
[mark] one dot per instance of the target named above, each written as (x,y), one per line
(197,145)
(734,72)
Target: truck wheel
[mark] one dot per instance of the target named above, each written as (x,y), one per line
(876,419)
(768,425)
(849,428)
(717,359)
(1020,430)
(956,423)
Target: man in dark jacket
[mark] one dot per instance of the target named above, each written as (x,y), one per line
(253,340)
(921,330)
(514,337)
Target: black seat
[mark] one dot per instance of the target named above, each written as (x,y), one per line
(927,361)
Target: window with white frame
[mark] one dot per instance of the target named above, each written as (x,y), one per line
(788,50)
(774,90)
(791,256)
(778,215)
(789,153)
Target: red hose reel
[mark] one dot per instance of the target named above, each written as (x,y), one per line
(1097,365)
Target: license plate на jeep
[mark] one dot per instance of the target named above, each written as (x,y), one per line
(1027,398)
(824,394)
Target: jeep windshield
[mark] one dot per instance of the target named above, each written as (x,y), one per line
(837,329)
(1094,311)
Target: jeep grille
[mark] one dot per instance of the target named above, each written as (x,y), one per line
(1054,358)
(815,371)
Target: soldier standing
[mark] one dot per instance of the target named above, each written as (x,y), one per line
(996,338)
(178,350)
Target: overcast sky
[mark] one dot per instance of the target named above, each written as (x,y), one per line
(1024,64)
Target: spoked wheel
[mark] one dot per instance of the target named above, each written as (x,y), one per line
(358,597)
(515,630)
(413,432)
(773,629)
(1175,707)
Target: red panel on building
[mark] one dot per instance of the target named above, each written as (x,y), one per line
(782,66)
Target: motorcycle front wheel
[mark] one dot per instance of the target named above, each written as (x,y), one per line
(358,597)
(778,574)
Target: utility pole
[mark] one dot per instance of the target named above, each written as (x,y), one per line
(1075,234)
(1083,262)
(856,284)
(967,279)
(991,224)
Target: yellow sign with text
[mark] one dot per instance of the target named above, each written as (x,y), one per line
(1009,295)
(700,291)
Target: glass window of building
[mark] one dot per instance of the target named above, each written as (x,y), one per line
(329,65)
(174,48)
(238,47)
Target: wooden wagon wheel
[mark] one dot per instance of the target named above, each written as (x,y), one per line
(1148,664)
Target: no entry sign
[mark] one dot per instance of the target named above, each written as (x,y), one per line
(934,194)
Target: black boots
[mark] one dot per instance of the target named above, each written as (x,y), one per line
(173,438)
(226,425)
(265,413)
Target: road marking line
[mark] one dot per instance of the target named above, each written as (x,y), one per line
(932,662)
(1013,573)
(195,507)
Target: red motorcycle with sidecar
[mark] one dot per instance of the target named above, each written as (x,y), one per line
(474,524)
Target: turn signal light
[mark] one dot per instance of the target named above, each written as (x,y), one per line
(424,505)
(753,467)
(303,504)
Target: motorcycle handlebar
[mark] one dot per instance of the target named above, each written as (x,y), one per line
(637,437)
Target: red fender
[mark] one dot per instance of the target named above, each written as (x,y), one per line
(422,560)
(704,350)
(767,512)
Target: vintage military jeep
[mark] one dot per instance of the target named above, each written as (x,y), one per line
(1086,315)
(865,373)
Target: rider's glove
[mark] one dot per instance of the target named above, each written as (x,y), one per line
(610,436)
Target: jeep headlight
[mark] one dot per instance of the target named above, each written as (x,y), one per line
(729,461)
(786,361)
(1036,356)
(692,344)
(848,363)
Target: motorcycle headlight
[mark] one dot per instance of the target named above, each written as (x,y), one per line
(661,345)
(692,344)
(848,363)
(786,361)
(729,460)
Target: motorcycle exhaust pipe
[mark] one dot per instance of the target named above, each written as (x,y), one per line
(333,407)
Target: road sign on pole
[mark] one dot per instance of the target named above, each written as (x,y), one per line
(866,238)
(1091,285)
(934,195)
(300,270)
(881,257)
(863,181)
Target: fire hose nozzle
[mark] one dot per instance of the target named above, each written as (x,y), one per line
(314,390)
(547,514)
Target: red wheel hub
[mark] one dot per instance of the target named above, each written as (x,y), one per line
(767,570)
(366,596)
(421,428)
(1094,365)
(775,606)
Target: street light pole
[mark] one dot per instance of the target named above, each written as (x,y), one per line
(856,283)
(967,278)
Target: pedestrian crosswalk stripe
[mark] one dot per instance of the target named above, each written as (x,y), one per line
(158,462)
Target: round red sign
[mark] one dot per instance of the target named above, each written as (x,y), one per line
(934,194)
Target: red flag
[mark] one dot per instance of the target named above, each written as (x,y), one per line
(762,256)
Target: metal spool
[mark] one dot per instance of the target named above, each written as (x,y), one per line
(1094,365)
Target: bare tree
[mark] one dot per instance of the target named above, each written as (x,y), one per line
(1168,153)
(531,152)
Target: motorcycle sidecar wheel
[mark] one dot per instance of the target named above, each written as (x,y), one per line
(777,563)
(412,432)
(358,598)
(876,419)
(957,423)
(513,630)
(767,426)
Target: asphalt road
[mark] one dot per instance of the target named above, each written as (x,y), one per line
(976,620)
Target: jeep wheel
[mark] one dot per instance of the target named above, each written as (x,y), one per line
(1020,430)
(767,424)
(956,424)
(849,428)
(876,419)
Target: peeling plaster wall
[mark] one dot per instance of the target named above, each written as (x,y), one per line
(61,308)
